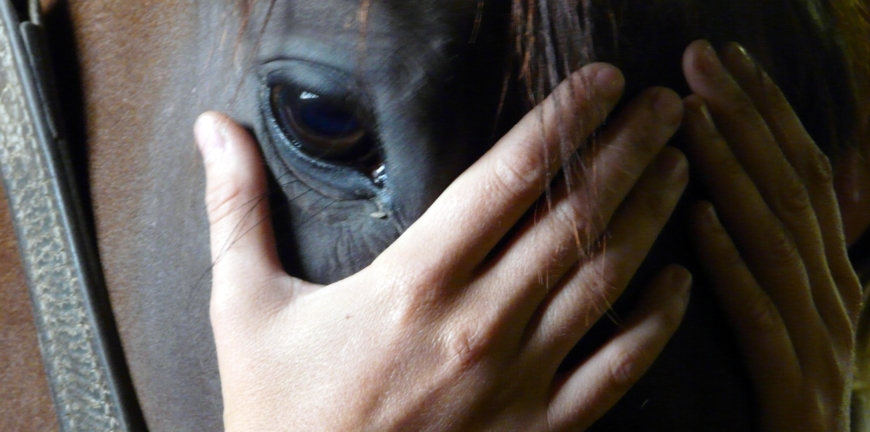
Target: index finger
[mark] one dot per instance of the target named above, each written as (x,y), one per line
(480,206)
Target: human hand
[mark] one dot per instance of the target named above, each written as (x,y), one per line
(463,322)
(777,258)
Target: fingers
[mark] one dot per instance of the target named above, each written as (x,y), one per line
(754,146)
(780,268)
(791,175)
(758,152)
(597,384)
(766,345)
(477,209)
(778,116)
(811,165)
(587,293)
(242,243)
(750,139)
(762,239)
(565,227)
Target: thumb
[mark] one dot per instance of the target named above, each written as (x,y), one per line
(243,250)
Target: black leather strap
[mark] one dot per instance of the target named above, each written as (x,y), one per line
(80,348)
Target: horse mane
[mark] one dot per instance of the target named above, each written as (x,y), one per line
(817,51)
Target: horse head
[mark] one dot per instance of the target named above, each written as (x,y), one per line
(365,111)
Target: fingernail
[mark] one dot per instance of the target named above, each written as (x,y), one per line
(672,164)
(705,113)
(709,218)
(709,213)
(736,51)
(209,139)
(668,106)
(609,79)
(681,280)
(708,61)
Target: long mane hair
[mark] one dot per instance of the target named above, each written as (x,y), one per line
(818,52)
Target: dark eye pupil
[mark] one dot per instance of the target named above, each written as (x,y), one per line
(323,127)
(317,118)
(326,119)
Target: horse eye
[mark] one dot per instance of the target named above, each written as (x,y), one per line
(322,127)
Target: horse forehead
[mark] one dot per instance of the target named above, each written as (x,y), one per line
(405,43)
(386,19)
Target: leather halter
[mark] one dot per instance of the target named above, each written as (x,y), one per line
(80,347)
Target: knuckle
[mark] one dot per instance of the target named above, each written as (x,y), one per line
(839,367)
(575,215)
(780,247)
(792,198)
(465,348)
(851,293)
(519,171)
(590,100)
(222,199)
(623,367)
(819,169)
(841,320)
(842,333)
(414,291)
(816,411)
(761,314)
(609,281)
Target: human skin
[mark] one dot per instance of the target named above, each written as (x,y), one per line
(773,245)
(463,322)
